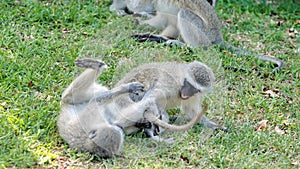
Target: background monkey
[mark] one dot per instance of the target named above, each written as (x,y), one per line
(121,7)
(195,21)
(175,84)
(93,119)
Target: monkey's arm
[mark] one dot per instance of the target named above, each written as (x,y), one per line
(78,91)
(111,94)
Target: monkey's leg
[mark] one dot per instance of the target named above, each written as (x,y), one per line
(170,32)
(83,88)
(159,21)
(120,7)
(192,29)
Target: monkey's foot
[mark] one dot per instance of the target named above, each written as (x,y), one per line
(169,140)
(135,86)
(149,37)
(90,63)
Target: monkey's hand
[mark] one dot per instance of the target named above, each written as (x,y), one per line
(135,86)
(90,63)
(137,95)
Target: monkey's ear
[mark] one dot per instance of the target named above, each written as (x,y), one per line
(187,90)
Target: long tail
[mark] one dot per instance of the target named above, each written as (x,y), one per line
(149,116)
(241,52)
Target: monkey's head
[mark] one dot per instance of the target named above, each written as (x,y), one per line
(200,78)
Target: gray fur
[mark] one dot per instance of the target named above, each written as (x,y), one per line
(90,120)
(165,80)
(195,22)
(95,119)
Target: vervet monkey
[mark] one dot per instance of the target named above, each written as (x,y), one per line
(93,119)
(122,7)
(195,21)
(173,85)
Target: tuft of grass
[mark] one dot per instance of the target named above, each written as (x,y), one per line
(40,40)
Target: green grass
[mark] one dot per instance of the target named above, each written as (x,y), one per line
(40,40)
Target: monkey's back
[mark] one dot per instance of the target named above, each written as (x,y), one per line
(207,13)
(201,8)
(167,77)
(69,127)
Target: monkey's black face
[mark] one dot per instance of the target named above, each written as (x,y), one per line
(187,90)
(210,2)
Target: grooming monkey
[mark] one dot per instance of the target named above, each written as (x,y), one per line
(173,85)
(195,21)
(94,118)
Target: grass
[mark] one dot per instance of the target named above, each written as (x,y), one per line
(40,40)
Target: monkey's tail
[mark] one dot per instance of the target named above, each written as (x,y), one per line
(241,52)
(149,116)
